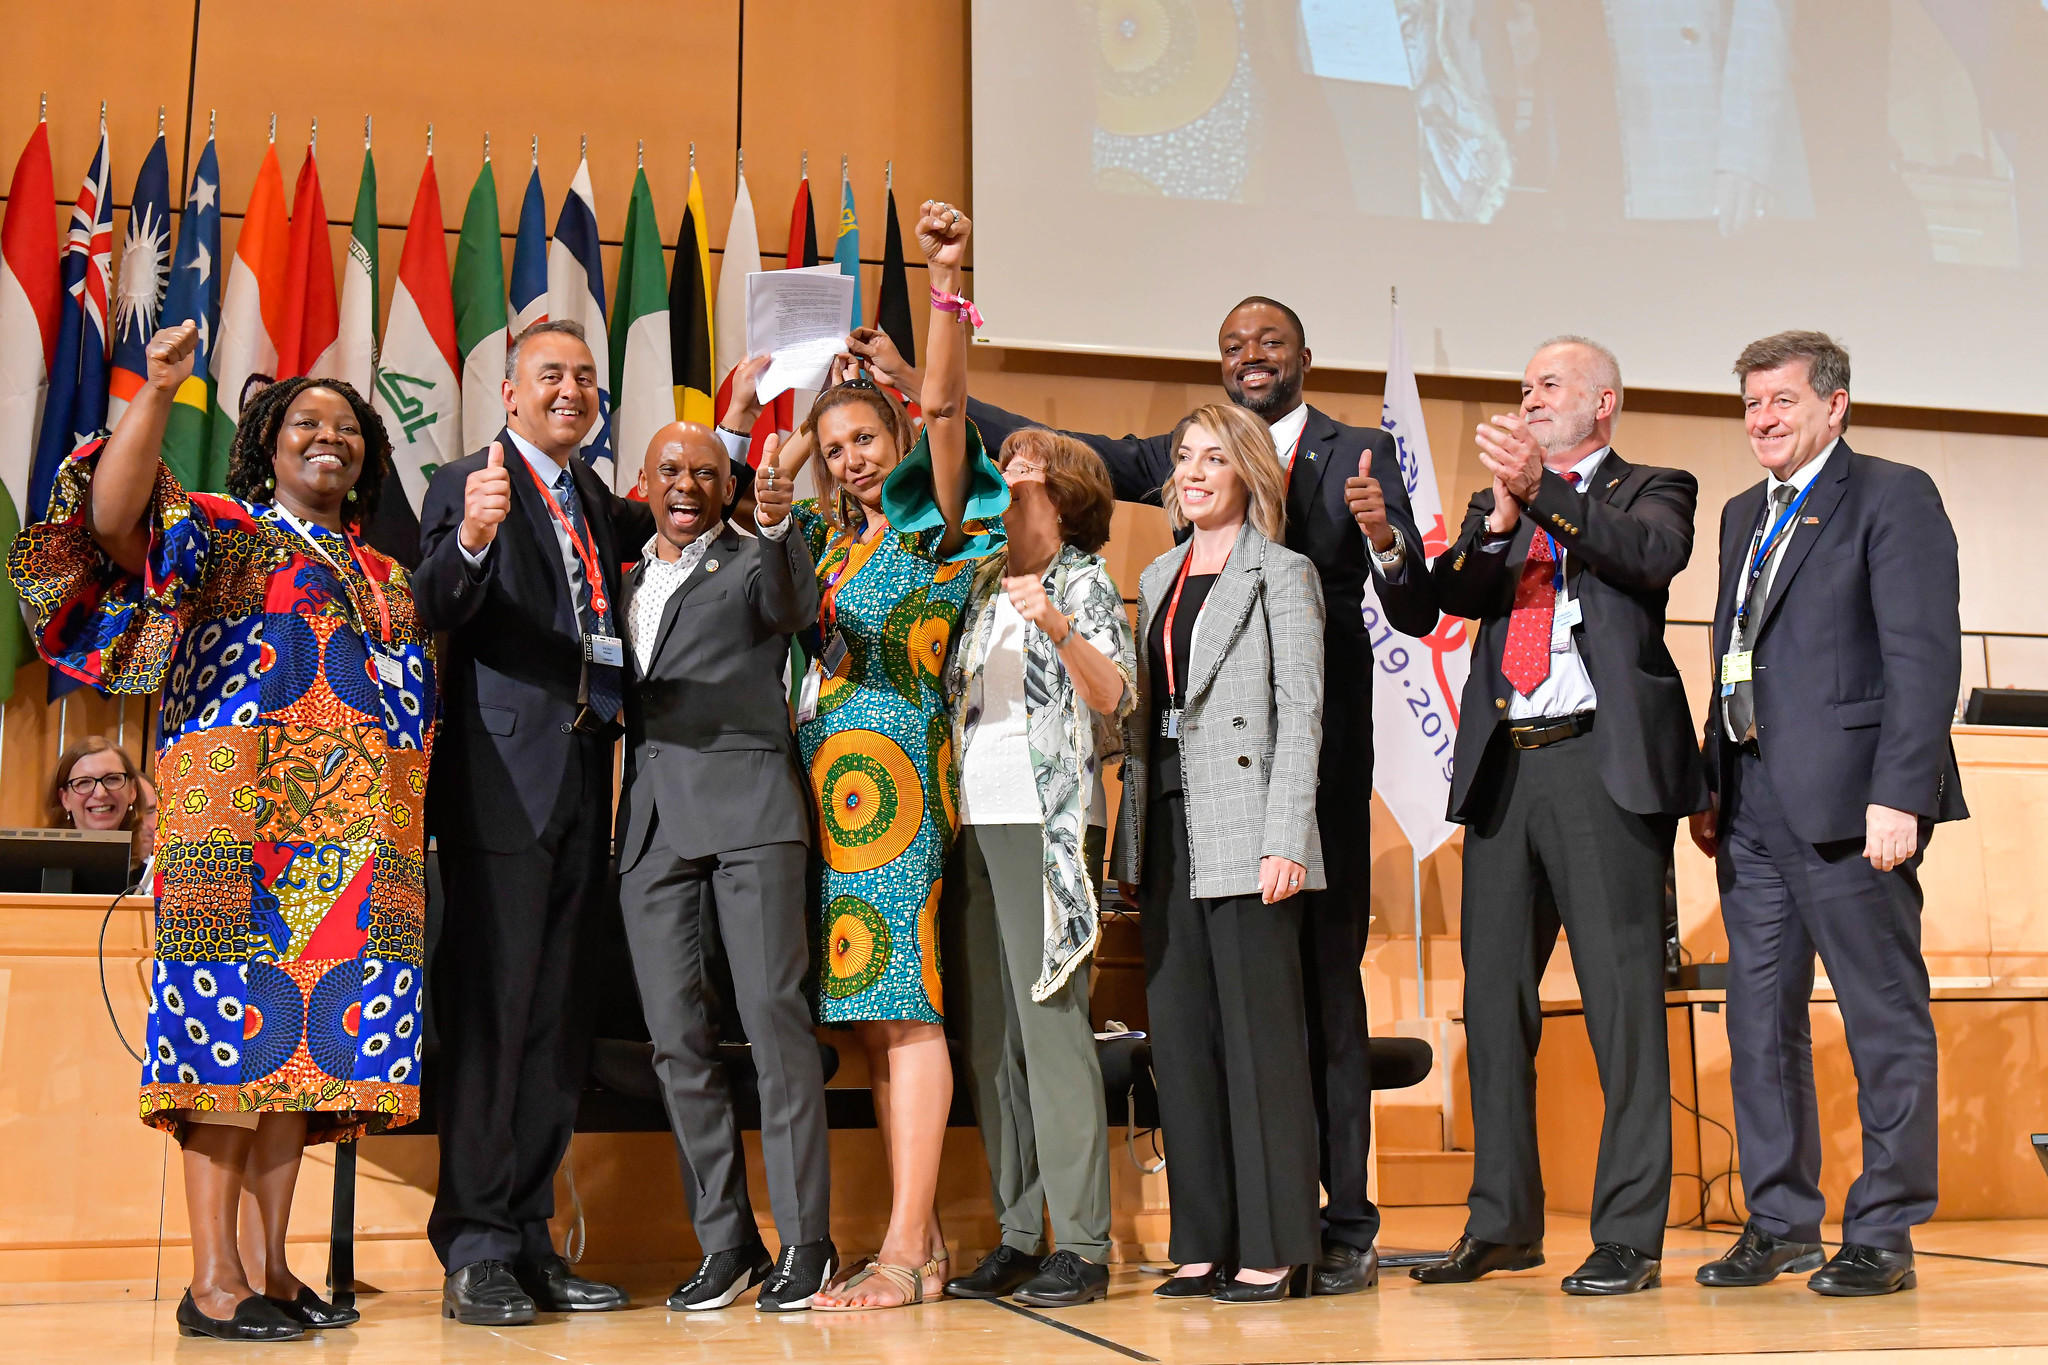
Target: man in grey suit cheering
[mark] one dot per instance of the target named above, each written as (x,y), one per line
(713,834)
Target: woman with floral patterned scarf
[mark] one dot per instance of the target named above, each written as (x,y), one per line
(1040,683)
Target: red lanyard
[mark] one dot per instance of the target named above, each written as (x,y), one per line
(1293,452)
(1172,608)
(586,552)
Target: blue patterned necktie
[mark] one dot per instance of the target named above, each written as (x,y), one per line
(603,684)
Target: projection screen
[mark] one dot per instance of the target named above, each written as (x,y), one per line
(1673,177)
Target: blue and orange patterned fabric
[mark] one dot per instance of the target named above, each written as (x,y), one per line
(880,750)
(290,774)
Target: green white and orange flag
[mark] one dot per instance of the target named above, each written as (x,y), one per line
(419,376)
(481,314)
(643,371)
(252,314)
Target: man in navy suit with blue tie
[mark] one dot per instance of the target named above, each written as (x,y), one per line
(1837,661)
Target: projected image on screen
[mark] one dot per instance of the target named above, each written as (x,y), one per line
(1674,111)
(1676,177)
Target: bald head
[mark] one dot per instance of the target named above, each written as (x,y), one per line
(688,479)
(1570,395)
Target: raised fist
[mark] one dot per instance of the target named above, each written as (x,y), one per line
(171,352)
(486,498)
(942,232)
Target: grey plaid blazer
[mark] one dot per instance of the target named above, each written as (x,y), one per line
(1253,727)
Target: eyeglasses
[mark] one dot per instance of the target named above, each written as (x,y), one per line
(113,784)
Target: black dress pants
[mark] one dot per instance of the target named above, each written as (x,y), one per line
(1783,899)
(514,1035)
(1230,1053)
(1551,847)
(1334,925)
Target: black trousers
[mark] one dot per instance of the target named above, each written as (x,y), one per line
(1783,899)
(1334,925)
(514,1034)
(678,912)
(1230,1052)
(1551,847)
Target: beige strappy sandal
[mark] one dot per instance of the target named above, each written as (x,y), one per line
(907,1282)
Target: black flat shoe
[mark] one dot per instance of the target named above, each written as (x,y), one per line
(1757,1258)
(800,1272)
(1471,1258)
(1295,1284)
(1346,1270)
(554,1288)
(1064,1281)
(310,1310)
(485,1294)
(722,1277)
(1862,1272)
(998,1275)
(1615,1269)
(1203,1286)
(256,1319)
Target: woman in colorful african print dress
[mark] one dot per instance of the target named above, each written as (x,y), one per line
(893,535)
(298,701)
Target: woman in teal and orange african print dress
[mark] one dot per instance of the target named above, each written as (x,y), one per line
(893,536)
(298,706)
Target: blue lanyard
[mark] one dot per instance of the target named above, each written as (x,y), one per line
(1767,542)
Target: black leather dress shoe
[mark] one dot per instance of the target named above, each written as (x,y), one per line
(310,1310)
(1471,1258)
(1758,1257)
(485,1294)
(1861,1272)
(999,1273)
(800,1272)
(722,1277)
(1203,1286)
(554,1288)
(1295,1284)
(1063,1281)
(256,1319)
(1346,1270)
(1615,1269)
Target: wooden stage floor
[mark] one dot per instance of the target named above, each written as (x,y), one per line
(1983,1296)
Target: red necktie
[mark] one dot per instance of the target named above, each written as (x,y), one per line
(1525,659)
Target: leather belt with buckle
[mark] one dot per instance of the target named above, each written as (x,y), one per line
(1535,734)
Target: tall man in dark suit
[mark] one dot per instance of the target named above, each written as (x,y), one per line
(1348,512)
(1573,763)
(519,565)
(714,830)
(1838,654)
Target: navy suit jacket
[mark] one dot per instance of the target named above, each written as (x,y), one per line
(1857,651)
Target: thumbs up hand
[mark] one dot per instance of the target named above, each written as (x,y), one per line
(773,490)
(1368,504)
(486,498)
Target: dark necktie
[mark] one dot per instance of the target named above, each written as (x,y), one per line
(1525,658)
(1742,701)
(603,686)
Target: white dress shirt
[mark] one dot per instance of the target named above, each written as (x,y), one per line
(1568,689)
(1287,434)
(544,466)
(659,579)
(1802,479)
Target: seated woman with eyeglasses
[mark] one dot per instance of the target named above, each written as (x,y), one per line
(96,786)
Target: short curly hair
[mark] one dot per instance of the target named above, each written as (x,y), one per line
(1075,480)
(253,456)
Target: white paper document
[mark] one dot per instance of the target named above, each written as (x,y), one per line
(1356,40)
(798,318)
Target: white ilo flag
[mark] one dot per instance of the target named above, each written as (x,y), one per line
(1415,698)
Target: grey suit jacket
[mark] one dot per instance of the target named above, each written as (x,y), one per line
(708,744)
(1252,731)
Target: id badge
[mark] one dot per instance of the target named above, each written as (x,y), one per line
(807,695)
(834,656)
(605,649)
(1169,723)
(1569,614)
(390,671)
(1736,667)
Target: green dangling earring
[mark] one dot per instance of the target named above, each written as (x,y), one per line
(351,495)
(270,484)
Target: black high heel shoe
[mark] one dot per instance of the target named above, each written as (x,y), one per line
(1295,1284)
(256,1319)
(310,1310)
(1202,1286)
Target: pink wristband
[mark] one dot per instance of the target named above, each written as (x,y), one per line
(956,303)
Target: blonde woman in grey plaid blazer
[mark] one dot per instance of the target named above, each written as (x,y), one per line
(1217,830)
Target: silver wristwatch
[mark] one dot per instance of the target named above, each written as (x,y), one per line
(1392,554)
